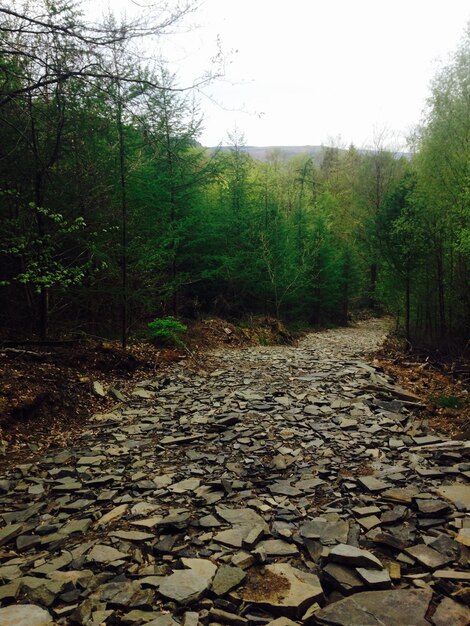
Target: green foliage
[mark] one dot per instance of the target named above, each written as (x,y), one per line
(44,261)
(448,402)
(167,330)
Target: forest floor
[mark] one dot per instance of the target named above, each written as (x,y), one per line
(296,482)
(442,383)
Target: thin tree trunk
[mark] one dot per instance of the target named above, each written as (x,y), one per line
(345,303)
(372,285)
(441,295)
(122,172)
(407,307)
(173,216)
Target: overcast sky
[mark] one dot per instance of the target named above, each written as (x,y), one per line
(314,71)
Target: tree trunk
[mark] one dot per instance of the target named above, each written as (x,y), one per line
(122,172)
(44,313)
(407,307)
(372,285)
(441,295)
(345,303)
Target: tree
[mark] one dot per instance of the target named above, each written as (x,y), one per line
(177,170)
(401,238)
(443,175)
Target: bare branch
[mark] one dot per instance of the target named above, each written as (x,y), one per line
(104,36)
(28,39)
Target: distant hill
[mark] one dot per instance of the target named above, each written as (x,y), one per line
(261,153)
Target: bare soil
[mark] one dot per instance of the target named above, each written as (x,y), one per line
(438,381)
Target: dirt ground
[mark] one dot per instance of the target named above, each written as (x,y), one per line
(443,384)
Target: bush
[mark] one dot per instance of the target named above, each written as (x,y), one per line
(167,330)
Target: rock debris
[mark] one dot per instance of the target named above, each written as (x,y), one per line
(278,485)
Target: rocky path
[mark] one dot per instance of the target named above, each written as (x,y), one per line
(277,485)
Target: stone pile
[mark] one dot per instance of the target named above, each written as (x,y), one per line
(280,485)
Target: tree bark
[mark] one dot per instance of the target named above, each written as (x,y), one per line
(407,307)
(122,173)
(441,295)
(372,285)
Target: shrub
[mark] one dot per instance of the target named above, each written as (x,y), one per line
(167,330)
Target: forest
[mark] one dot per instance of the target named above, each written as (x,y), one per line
(113,214)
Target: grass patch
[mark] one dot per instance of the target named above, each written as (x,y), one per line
(448,402)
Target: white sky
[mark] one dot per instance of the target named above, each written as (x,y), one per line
(309,71)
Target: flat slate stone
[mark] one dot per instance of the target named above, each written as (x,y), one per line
(51,566)
(11,590)
(91,460)
(373,484)
(106,554)
(253,536)
(9,532)
(112,516)
(354,557)
(282,621)
(452,574)
(132,535)
(309,484)
(347,423)
(276,547)
(402,495)
(281,587)
(189,484)
(375,579)
(464,536)
(378,608)
(218,616)
(9,572)
(432,507)
(25,615)
(426,440)
(428,556)
(209,521)
(170,440)
(241,517)
(371,521)
(394,515)
(226,579)
(458,494)
(187,585)
(311,409)
(326,531)
(283,488)
(233,537)
(451,613)
(344,579)
(365,511)
(244,520)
